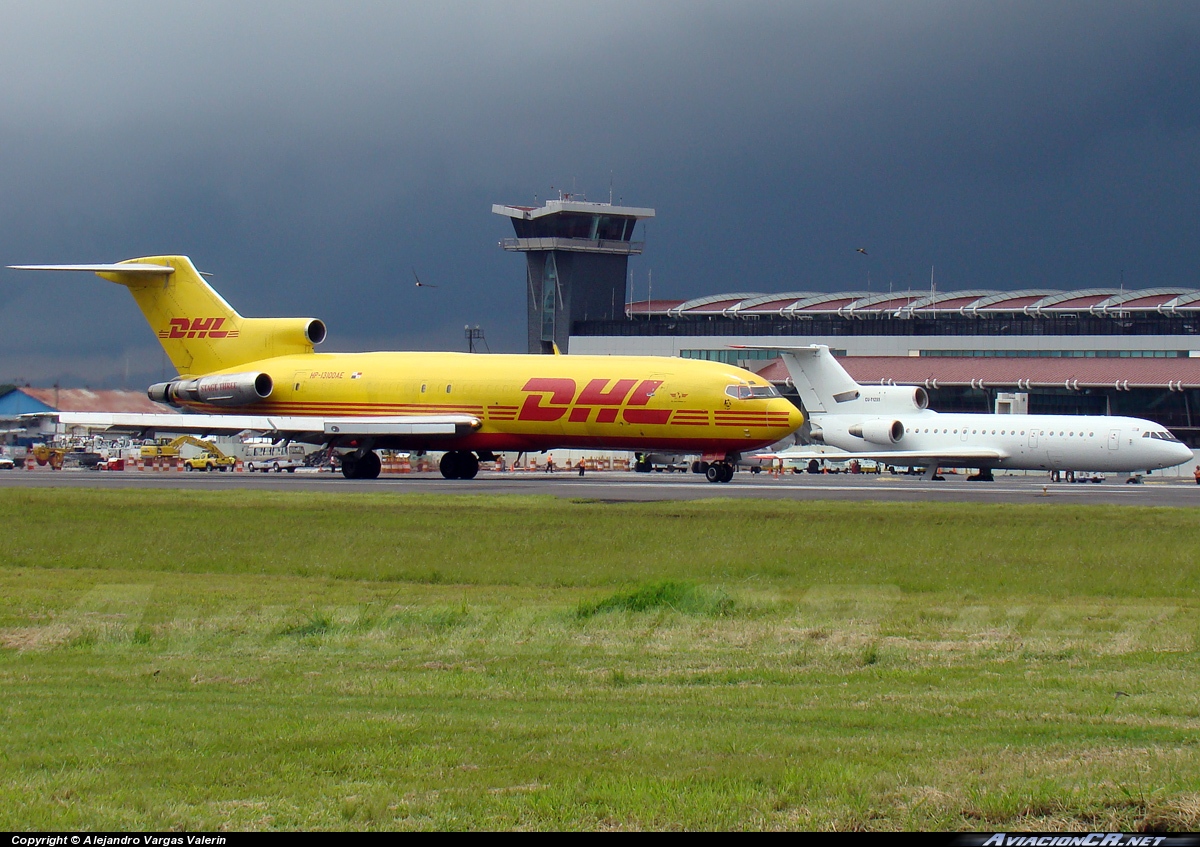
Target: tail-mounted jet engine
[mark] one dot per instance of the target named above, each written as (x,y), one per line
(896,399)
(226,390)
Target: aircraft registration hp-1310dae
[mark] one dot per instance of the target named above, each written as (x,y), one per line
(261,375)
(893,424)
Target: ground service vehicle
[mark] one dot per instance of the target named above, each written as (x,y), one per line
(209,461)
(277,459)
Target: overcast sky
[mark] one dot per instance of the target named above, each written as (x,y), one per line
(310,155)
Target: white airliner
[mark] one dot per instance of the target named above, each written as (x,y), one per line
(893,424)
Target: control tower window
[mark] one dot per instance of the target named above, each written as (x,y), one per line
(577,225)
(609,228)
(574,226)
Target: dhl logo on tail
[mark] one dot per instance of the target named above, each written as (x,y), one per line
(197,328)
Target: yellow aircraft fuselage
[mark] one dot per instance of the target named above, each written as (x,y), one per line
(532,402)
(230,364)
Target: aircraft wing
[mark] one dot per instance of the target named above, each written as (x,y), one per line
(312,428)
(968,457)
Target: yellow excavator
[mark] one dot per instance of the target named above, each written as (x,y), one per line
(211,458)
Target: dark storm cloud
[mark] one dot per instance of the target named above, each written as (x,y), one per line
(311,155)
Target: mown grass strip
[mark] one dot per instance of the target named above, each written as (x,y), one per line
(173,660)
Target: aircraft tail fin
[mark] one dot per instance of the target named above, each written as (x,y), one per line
(822,383)
(200,332)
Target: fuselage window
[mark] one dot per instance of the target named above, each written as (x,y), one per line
(448,387)
(422,388)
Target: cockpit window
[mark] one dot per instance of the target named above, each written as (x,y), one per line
(1161,436)
(752,392)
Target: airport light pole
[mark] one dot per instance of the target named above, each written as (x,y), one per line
(472,334)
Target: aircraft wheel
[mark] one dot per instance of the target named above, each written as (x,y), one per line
(468,466)
(449,465)
(349,468)
(726,471)
(713,472)
(369,466)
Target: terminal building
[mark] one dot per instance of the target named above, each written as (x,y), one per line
(1043,351)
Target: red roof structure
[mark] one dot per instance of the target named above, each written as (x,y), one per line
(1122,374)
(87,400)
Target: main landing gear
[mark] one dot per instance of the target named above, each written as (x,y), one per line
(984,475)
(459,464)
(718,471)
(366,466)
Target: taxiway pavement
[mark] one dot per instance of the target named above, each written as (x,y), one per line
(625,486)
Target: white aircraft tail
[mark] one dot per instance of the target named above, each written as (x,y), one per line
(826,389)
(822,383)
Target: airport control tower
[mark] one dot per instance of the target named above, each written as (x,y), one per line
(577,255)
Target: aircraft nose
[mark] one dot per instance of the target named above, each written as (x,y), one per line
(795,416)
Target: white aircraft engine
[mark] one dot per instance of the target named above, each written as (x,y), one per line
(895,398)
(878,431)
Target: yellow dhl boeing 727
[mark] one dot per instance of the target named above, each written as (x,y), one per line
(261,375)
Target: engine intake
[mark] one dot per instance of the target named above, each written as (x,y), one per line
(241,389)
(878,431)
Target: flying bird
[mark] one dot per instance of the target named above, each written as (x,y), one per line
(861,250)
(419,283)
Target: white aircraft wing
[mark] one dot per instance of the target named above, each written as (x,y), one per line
(966,457)
(313,428)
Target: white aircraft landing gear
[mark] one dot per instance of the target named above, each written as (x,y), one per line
(459,464)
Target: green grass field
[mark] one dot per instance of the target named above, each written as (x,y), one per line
(247,660)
